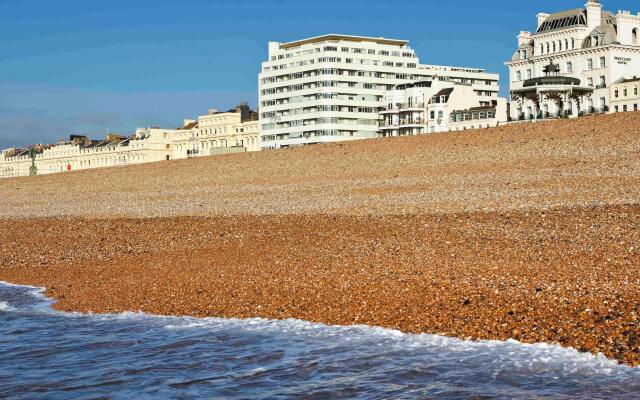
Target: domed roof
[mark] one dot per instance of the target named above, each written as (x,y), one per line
(552,80)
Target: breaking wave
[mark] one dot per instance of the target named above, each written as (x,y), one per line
(147,356)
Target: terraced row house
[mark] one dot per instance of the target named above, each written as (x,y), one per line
(625,94)
(216,133)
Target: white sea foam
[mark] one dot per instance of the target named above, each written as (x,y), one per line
(510,354)
(5,307)
(34,291)
(9,284)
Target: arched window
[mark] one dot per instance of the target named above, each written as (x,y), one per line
(554,47)
(559,45)
(634,36)
(548,49)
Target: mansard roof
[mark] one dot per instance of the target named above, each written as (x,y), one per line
(607,33)
(564,19)
(572,18)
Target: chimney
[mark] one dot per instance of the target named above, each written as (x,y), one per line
(112,137)
(524,37)
(541,18)
(594,13)
(243,109)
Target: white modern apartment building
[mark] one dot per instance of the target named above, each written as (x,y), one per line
(590,45)
(437,106)
(330,88)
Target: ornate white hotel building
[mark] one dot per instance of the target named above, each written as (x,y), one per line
(582,52)
(331,88)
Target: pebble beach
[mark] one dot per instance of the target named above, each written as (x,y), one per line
(527,232)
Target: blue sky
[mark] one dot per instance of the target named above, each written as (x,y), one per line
(71,66)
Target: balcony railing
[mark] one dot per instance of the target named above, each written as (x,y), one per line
(415,121)
(411,105)
(404,106)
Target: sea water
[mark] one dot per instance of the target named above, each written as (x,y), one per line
(46,354)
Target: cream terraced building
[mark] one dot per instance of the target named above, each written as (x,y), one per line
(216,133)
(594,46)
(79,153)
(329,88)
(625,95)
